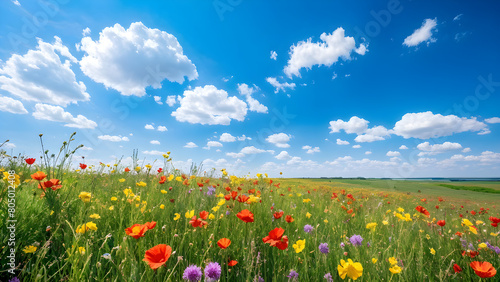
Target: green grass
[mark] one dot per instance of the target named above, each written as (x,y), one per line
(471,188)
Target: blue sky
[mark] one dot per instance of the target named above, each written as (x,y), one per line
(327,88)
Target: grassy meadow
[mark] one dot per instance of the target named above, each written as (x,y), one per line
(74,229)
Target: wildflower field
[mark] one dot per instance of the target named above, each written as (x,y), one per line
(115,223)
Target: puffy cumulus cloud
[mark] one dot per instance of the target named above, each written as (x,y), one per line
(283,155)
(422,34)
(243,138)
(154,142)
(13,106)
(162,128)
(118,138)
(353,125)
(466,150)
(485,158)
(190,145)
(279,140)
(56,113)
(43,75)
(403,147)
(339,160)
(253,105)
(342,142)
(332,47)
(154,153)
(310,150)
(426,161)
(129,60)
(211,144)
(368,152)
(280,86)
(376,133)
(149,126)
(393,154)
(249,150)
(158,100)
(428,149)
(209,105)
(356,146)
(172,100)
(274,55)
(492,120)
(427,125)
(227,137)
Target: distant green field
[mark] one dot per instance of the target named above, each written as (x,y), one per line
(488,191)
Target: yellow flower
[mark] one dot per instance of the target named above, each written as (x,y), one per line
(141,184)
(178,178)
(114,199)
(308,215)
(85,197)
(472,229)
(325,221)
(138,168)
(128,192)
(371,226)
(51,212)
(189,214)
(299,245)
(211,216)
(479,222)
(95,216)
(252,199)
(221,202)
(494,234)
(177,216)
(483,246)
(16,179)
(215,209)
(299,194)
(395,269)
(393,261)
(162,207)
(374,260)
(259,175)
(220,195)
(428,236)
(433,252)
(224,172)
(401,210)
(466,222)
(121,180)
(221,216)
(306,200)
(164,191)
(170,177)
(265,174)
(81,250)
(91,226)
(353,270)
(111,208)
(148,166)
(388,211)
(385,222)
(29,249)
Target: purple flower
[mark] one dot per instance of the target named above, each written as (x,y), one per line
(356,240)
(323,248)
(192,273)
(368,244)
(328,277)
(308,228)
(293,275)
(227,212)
(211,191)
(342,245)
(471,247)
(212,272)
(497,250)
(15,279)
(258,279)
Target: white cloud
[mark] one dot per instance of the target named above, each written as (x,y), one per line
(458,17)
(249,150)
(162,128)
(56,113)
(466,150)
(486,158)
(354,125)
(86,31)
(155,142)
(235,155)
(435,149)
(368,153)
(129,60)
(149,126)
(279,140)
(41,76)
(274,55)
(375,133)
(9,146)
(422,34)
(332,47)
(492,120)
(85,148)
(154,153)
(209,105)
(334,76)
(172,100)
(342,142)
(211,144)
(243,138)
(10,105)
(393,154)
(356,146)
(113,138)
(311,150)
(253,105)
(158,100)
(280,86)
(283,155)
(426,125)
(403,147)
(226,137)
(190,145)
(16,2)
(426,161)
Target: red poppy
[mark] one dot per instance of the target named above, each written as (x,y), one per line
(127,169)
(423,200)
(185,182)
(473,212)
(163,178)
(459,234)
(423,211)
(53,184)
(199,184)
(39,175)
(457,268)
(350,197)
(157,255)
(437,207)
(256,182)
(342,192)
(494,221)
(150,225)
(245,215)
(30,161)
(334,195)
(289,219)
(483,269)
(203,215)
(234,194)
(83,166)
(227,197)
(232,263)
(208,180)
(440,199)
(471,254)
(276,239)
(349,211)
(228,188)
(136,230)
(160,170)
(441,223)
(243,198)
(278,215)
(197,222)
(172,200)
(223,243)
(251,191)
